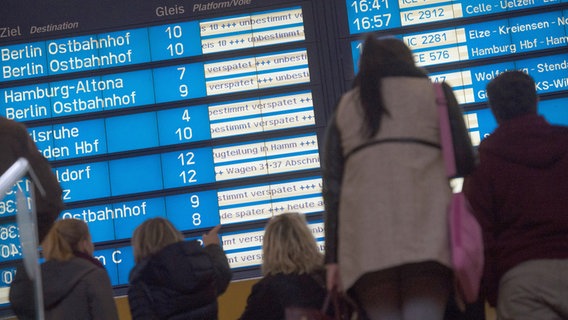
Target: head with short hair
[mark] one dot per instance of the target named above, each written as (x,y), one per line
(65,237)
(512,94)
(152,236)
(289,246)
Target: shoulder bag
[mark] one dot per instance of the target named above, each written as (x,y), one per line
(466,238)
(336,306)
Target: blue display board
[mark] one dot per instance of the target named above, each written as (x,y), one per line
(375,15)
(468,43)
(203,115)
(214,113)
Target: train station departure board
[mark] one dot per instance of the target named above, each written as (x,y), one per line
(203,113)
(213,112)
(468,43)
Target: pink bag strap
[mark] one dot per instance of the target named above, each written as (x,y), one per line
(445,131)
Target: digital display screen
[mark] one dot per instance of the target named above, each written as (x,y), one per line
(205,114)
(375,15)
(468,43)
(214,112)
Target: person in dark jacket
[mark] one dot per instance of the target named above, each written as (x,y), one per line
(519,194)
(292,267)
(15,143)
(173,278)
(75,284)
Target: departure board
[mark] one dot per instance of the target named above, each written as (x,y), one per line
(203,113)
(468,43)
(213,112)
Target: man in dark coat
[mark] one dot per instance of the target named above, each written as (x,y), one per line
(16,143)
(519,193)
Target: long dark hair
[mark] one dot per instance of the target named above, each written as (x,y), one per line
(381,57)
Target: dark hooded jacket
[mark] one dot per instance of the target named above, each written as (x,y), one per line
(15,142)
(519,193)
(73,289)
(181,281)
(271,296)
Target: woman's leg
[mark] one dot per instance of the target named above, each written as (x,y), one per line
(425,290)
(378,293)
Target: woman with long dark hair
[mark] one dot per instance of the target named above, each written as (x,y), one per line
(385,188)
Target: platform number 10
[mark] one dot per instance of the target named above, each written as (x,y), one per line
(175,49)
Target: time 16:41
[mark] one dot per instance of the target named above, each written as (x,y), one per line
(369,5)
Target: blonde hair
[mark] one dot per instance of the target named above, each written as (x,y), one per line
(152,236)
(289,246)
(63,238)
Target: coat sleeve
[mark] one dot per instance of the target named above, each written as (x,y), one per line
(21,291)
(464,153)
(332,166)
(101,299)
(223,273)
(139,302)
(477,189)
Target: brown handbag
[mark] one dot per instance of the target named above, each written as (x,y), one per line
(299,313)
(336,306)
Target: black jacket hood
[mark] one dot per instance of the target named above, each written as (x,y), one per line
(59,278)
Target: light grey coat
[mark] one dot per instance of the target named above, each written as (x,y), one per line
(394,196)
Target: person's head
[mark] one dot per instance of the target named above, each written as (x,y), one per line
(381,54)
(512,94)
(381,57)
(152,236)
(65,237)
(289,246)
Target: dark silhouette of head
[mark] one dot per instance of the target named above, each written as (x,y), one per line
(381,57)
(512,94)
